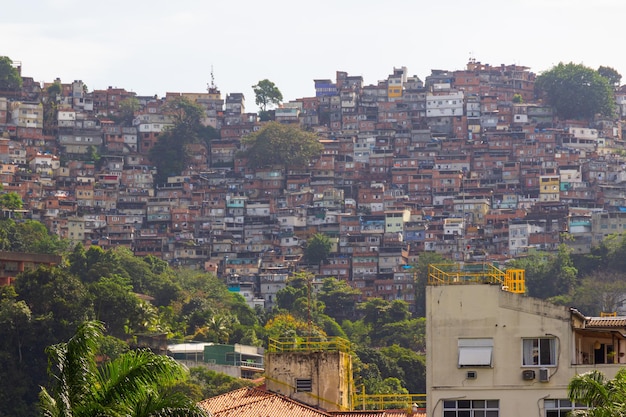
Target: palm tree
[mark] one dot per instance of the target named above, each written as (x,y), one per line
(135,384)
(219,326)
(604,397)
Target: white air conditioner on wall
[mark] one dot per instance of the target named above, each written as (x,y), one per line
(544,375)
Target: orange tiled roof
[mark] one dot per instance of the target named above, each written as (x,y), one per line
(254,402)
(606,322)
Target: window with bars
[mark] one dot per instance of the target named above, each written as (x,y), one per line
(471,408)
(561,407)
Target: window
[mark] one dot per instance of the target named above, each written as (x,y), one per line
(304,385)
(471,408)
(560,408)
(539,351)
(475,352)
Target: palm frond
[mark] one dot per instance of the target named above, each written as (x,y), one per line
(135,384)
(48,405)
(589,388)
(135,371)
(158,403)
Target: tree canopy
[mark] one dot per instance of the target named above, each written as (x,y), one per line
(279,144)
(170,154)
(317,248)
(576,91)
(610,74)
(266,94)
(127,110)
(11,201)
(10,78)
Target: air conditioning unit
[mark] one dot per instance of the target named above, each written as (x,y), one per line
(528,375)
(544,375)
(471,374)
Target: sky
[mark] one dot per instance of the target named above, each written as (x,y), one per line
(156,46)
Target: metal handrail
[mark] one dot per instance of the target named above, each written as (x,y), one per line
(309,344)
(512,280)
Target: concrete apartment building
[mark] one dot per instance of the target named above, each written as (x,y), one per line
(495,352)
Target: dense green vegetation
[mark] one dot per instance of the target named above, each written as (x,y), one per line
(170,155)
(605,397)
(141,295)
(578,92)
(136,383)
(277,144)
(10,78)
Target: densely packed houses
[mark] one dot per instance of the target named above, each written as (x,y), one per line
(468,164)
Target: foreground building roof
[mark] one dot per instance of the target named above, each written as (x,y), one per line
(254,402)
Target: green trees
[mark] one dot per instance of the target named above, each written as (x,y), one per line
(9,76)
(286,325)
(611,75)
(50,104)
(339,298)
(11,201)
(600,291)
(54,295)
(127,110)
(548,274)
(170,154)
(214,383)
(317,248)
(605,397)
(21,368)
(28,236)
(576,91)
(282,145)
(599,286)
(136,383)
(420,272)
(266,93)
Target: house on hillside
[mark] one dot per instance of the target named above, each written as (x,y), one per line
(238,361)
(13,263)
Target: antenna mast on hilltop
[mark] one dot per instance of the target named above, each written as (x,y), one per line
(211,87)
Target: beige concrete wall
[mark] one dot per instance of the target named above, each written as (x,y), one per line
(485,311)
(330,374)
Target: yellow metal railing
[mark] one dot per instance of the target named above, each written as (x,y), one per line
(358,400)
(515,281)
(512,280)
(388,401)
(309,344)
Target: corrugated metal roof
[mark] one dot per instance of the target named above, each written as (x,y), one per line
(253,402)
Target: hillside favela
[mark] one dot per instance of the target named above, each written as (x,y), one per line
(447,246)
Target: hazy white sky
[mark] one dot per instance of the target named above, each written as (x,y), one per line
(154,46)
